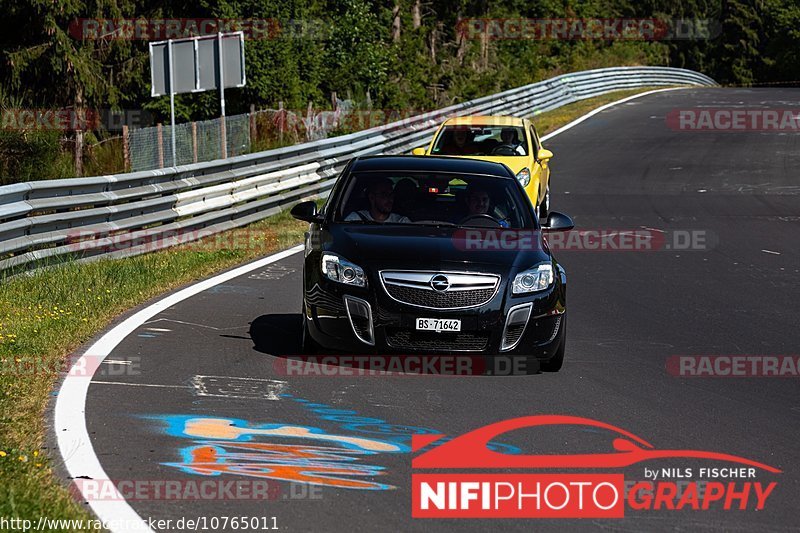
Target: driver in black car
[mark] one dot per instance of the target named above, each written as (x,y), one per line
(509,138)
(479,203)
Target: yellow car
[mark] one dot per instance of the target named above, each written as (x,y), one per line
(509,140)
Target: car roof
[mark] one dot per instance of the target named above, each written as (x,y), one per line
(487,120)
(425,163)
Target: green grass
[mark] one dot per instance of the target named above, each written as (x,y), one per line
(46,316)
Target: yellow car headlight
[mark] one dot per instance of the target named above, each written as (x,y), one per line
(524,176)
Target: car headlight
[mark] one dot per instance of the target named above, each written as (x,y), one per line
(534,279)
(524,176)
(340,269)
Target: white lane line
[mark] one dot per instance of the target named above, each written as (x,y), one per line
(140,385)
(771,252)
(74,443)
(600,109)
(70,423)
(192,324)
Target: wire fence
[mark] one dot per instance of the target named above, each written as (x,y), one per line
(149,148)
(284,126)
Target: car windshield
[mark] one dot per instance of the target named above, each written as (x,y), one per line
(481,140)
(440,199)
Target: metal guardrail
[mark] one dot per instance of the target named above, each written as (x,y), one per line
(46,222)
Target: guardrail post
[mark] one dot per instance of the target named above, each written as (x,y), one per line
(252,118)
(194,141)
(160,137)
(126,149)
(223,136)
(280,122)
(309,120)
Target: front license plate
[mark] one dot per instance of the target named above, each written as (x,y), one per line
(438,324)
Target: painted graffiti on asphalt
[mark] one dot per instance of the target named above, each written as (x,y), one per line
(295,453)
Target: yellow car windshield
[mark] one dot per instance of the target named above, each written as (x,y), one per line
(499,141)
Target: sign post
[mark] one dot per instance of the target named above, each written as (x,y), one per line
(222,125)
(172,103)
(197,64)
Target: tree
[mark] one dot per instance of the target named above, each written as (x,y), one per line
(65,70)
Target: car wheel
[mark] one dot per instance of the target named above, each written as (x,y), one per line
(555,363)
(307,344)
(544,207)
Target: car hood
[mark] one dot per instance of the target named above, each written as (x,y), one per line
(431,248)
(515,163)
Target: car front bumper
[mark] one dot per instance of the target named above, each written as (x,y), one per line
(352,320)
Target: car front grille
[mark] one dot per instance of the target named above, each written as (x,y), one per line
(406,339)
(440,290)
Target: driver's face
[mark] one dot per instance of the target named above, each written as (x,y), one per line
(460,137)
(382,199)
(507,136)
(478,203)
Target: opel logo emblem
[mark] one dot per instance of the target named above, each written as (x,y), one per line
(440,283)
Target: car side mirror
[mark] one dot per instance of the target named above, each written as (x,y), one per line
(420,150)
(558,222)
(305,211)
(544,155)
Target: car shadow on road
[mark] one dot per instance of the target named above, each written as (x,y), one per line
(279,335)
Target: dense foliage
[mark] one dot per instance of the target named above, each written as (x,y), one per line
(396,54)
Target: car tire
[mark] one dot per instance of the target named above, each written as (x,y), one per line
(555,363)
(544,207)
(307,345)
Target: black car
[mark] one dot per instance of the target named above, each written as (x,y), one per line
(431,255)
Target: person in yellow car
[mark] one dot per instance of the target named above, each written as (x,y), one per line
(460,142)
(509,138)
(512,141)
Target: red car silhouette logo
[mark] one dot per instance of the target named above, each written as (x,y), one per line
(470,450)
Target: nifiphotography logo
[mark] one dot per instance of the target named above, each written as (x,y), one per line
(511,490)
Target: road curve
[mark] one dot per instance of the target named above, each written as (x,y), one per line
(215,359)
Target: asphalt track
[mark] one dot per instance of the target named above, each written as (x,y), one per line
(628,312)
